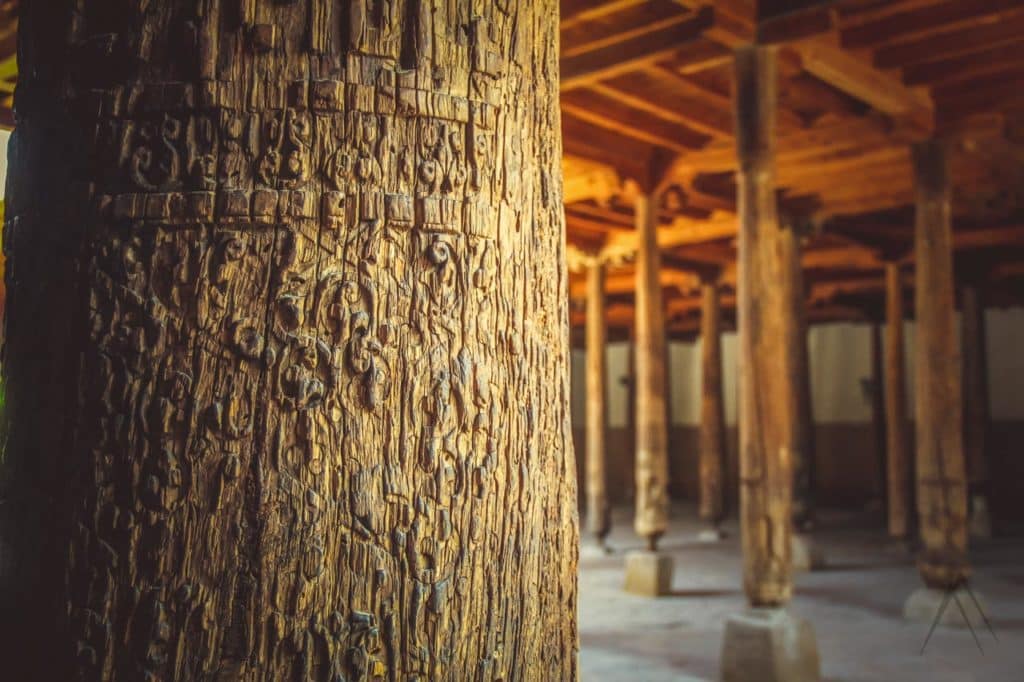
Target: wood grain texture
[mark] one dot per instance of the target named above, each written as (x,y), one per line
(598,511)
(766,405)
(712,408)
(940,471)
(898,491)
(651,381)
(287,354)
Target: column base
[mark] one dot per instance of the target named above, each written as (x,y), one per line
(592,549)
(769,645)
(711,535)
(924,603)
(980,524)
(648,574)
(805,553)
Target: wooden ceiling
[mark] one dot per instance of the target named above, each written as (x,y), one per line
(647,84)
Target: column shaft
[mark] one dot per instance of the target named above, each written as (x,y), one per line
(941,480)
(651,415)
(897,461)
(766,395)
(793,322)
(976,406)
(712,416)
(596,471)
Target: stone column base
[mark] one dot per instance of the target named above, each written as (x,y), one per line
(710,535)
(648,574)
(924,603)
(980,525)
(592,549)
(769,645)
(805,553)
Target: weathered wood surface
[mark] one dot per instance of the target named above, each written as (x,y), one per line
(898,491)
(287,344)
(940,474)
(976,404)
(651,381)
(597,411)
(712,408)
(765,391)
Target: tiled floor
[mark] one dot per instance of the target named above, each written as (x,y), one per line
(855,605)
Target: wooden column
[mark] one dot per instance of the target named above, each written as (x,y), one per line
(276,409)
(766,396)
(897,459)
(793,340)
(712,415)
(941,480)
(651,416)
(878,407)
(597,392)
(976,405)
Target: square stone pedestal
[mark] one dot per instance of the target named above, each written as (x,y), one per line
(805,553)
(648,574)
(769,645)
(924,603)
(710,535)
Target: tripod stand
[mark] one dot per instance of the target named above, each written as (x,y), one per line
(951,592)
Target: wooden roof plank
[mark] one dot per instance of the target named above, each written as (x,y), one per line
(948,45)
(631,54)
(921,22)
(861,80)
(603,109)
(964,67)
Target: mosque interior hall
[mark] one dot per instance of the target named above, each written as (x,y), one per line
(512,340)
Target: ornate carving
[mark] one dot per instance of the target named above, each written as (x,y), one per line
(316,432)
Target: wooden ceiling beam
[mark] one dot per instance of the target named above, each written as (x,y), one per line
(641,20)
(576,12)
(964,67)
(923,22)
(860,13)
(734,20)
(862,81)
(786,28)
(948,45)
(631,54)
(700,55)
(707,116)
(821,141)
(607,111)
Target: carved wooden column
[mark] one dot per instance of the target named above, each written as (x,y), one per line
(287,348)
(651,408)
(941,481)
(976,407)
(766,400)
(597,392)
(712,414)
(898,496)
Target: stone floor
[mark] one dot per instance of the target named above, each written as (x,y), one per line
(855,604)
